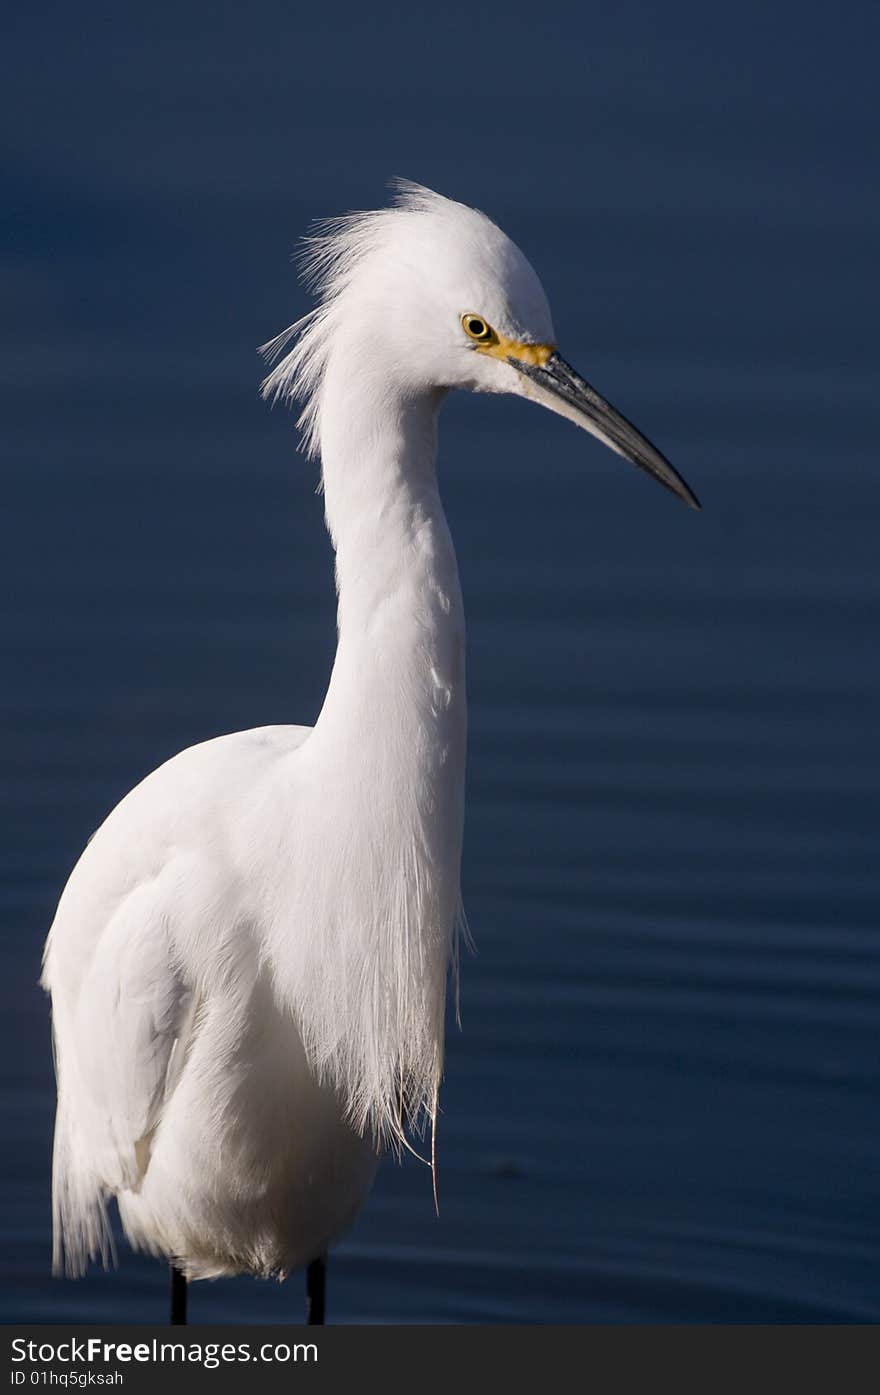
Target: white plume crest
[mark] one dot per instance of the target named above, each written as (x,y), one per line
(329,259)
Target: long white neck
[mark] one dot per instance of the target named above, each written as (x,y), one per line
(386,758)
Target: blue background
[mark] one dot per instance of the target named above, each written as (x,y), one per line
(663,1103)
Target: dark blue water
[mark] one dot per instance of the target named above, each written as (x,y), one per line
(663,1103)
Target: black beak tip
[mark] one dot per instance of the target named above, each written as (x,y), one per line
(691,499)
(655,464)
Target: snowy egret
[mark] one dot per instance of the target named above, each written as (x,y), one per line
(248,964)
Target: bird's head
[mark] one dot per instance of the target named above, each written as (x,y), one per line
(440,297)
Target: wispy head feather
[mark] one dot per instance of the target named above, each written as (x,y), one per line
(329,259)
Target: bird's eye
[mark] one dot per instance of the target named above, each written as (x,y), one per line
(475,328)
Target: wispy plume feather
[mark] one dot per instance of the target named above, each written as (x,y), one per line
(329,260)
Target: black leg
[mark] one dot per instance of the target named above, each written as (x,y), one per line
(316,1279)
(178,1297)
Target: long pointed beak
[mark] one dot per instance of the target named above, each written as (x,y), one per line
(555,384)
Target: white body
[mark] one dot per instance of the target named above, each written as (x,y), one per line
(248,965)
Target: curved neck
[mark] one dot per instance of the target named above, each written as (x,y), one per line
(378,453)
(399,610)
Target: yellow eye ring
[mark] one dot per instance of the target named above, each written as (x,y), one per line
(476,328)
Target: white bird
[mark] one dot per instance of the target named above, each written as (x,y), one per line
(248,964)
